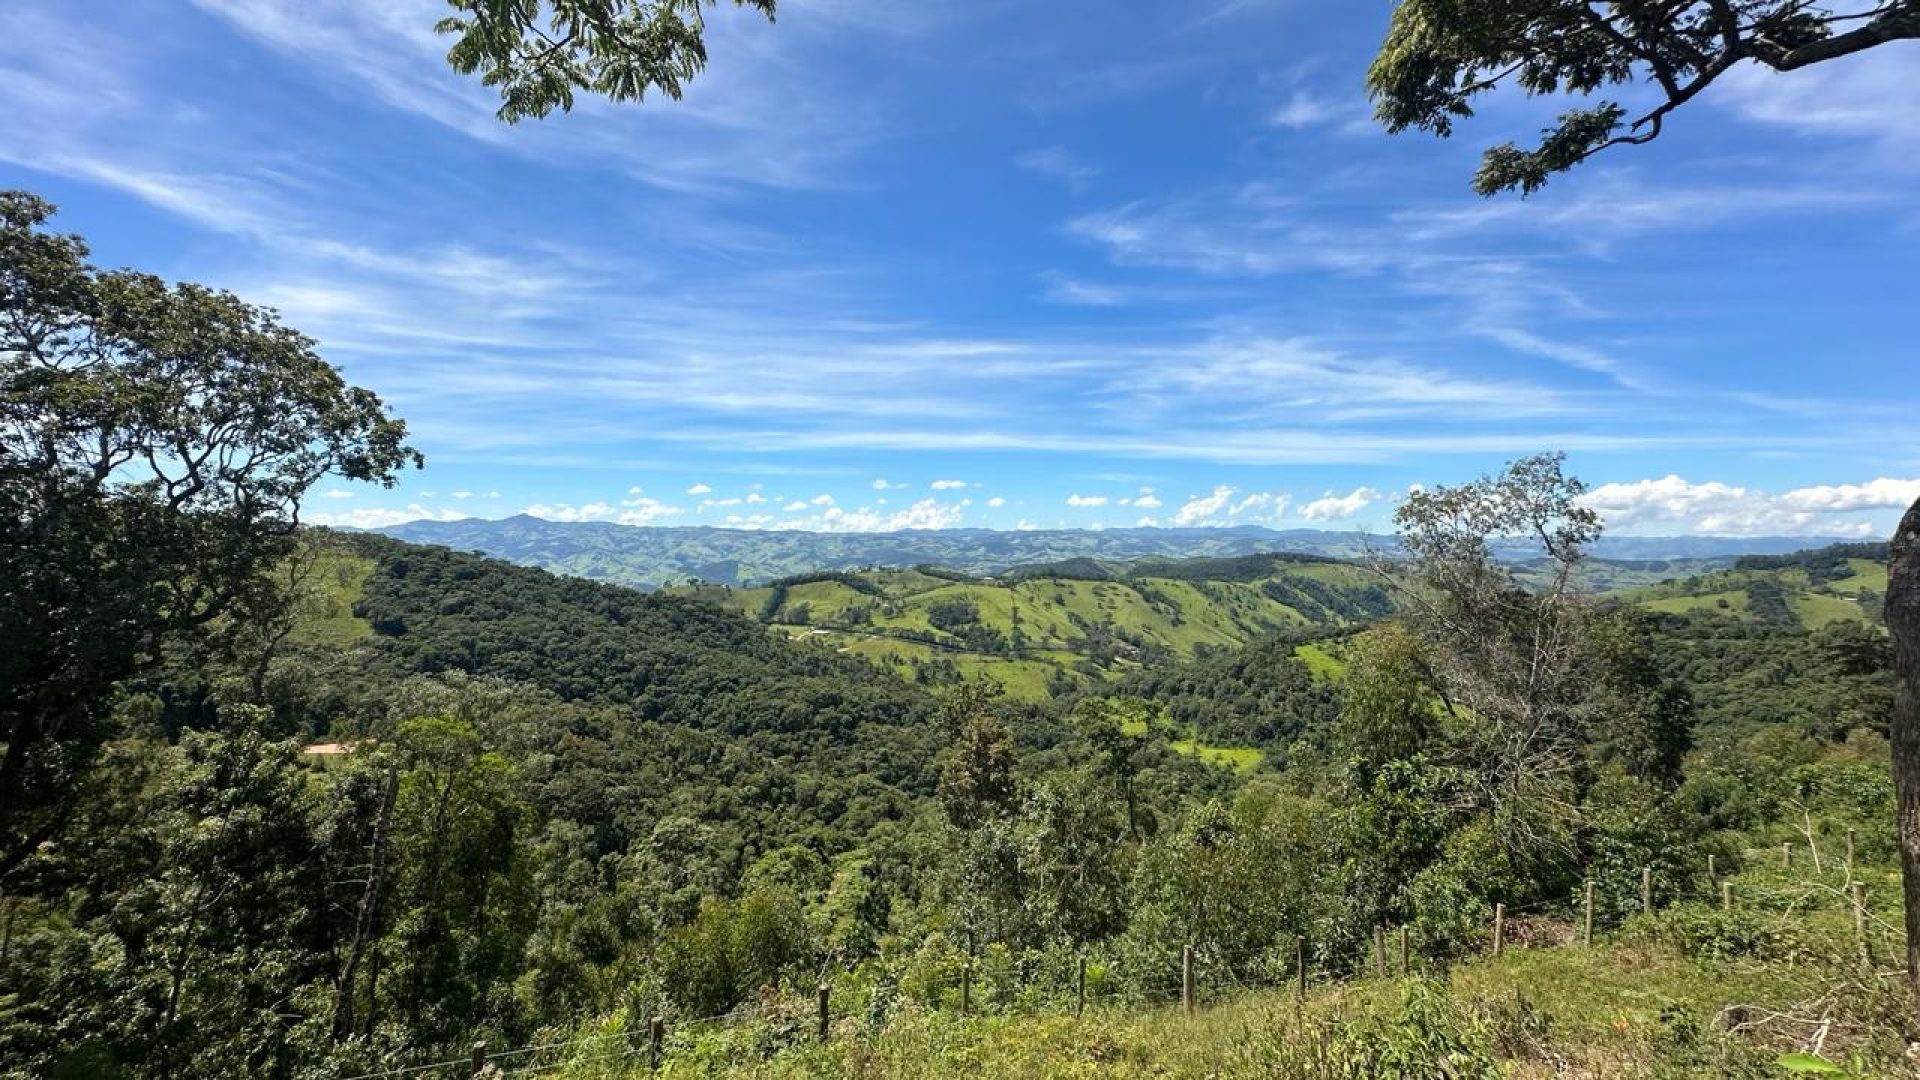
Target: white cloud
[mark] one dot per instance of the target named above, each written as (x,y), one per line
(1061,164)
(635,511)
(336,493)
(947,485)
(1200,509)
(463,494)
(822,499)
(996,502)
(1670,498)
(1224,505)
(567,512)
(644,511)
(1871,96)
(755,497)
(884,484)
(1331,507)
(1882,493)
(1305,110)
(1725,509)
(379,517)
(1258,505)
(925,514)
(1086,500)
(795,506)
(700,489)
(1066,290)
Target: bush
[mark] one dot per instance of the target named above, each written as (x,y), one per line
(1424,1037)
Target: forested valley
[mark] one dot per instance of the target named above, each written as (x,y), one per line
(383,801)
(840,788)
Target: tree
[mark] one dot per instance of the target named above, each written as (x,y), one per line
(1903,619)
(1387,714)
(539,52)
(155,443)
(1441,54)
(1514,667)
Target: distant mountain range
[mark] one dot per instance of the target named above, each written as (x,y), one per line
(650,557)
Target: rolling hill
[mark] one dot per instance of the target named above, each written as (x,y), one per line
(1809,589)
(1041,629)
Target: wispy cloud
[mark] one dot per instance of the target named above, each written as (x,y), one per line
(1059,164)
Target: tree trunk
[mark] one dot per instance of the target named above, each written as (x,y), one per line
(367,913)
(1903,619)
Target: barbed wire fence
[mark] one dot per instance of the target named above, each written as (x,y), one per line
(1206,973)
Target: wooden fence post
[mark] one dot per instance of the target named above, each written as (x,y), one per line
(1860,924)
(479,1054)
(1186,978)
(1406,964)
(1080,990)
(1380,950)
(1646,890)
(1849,854)
(1786,855)
(966,986)
(825,1010)
(1711,876)
(1499,927)
(656,1034)
(1726,896)
(1586,915)
(1300,966)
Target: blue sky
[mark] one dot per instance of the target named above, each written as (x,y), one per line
(974,262)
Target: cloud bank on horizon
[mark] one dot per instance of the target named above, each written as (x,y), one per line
(962,264)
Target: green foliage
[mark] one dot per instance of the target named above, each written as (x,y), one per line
(155,443)
(1439,55)
(1423,1036)
(732,948)
(539,54)
(1389,713)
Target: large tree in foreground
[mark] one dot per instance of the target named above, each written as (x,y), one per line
(155,443)
(1440,55)
(540,53)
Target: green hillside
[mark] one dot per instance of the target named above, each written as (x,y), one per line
(1807,590)
(1049,628)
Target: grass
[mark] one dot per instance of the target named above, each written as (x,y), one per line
(1324,666)
(327,617)
(1817,610)
(1240,759)
(1866,575)
(1628,1008)
(1730,602)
